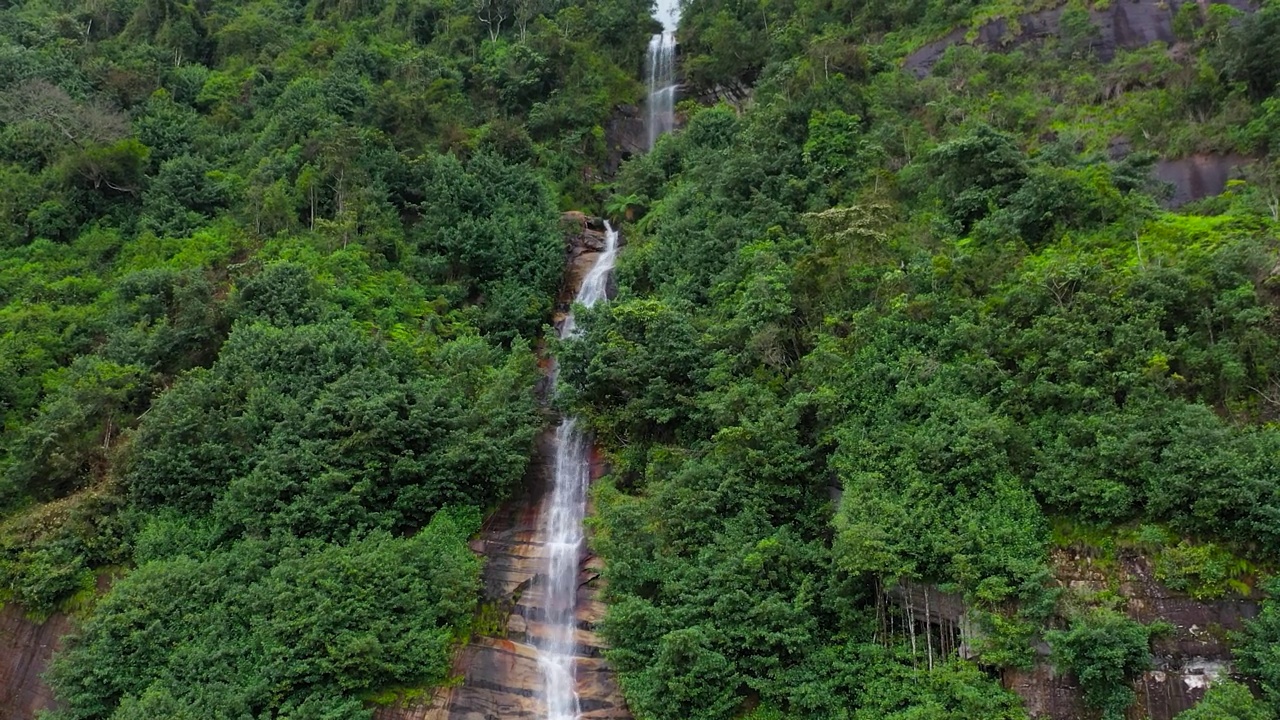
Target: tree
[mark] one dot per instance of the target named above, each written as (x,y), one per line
(493,13)
(837,150)
(1106,651)
(493,225)
(527,10)
(81,124)
(118,167)
(76,427)
(1258,652)
(1227,700)
(974,173)
(329,623)
(1254,57)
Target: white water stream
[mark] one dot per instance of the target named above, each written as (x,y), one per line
(661,72)
(662,85)
(561,523)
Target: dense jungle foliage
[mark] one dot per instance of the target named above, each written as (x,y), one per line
(876,325)
(269,277)
(271,273)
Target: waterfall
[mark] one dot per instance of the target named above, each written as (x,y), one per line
(662,85)
(661,63)
(561,524)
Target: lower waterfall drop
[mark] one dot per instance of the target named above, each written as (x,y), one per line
(561,524)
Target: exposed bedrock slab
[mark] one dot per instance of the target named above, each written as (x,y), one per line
(25,649)
(1185,662)
(1200,176)
(1123,25)
(498,678)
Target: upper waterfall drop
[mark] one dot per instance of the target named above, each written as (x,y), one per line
(662,85)
(661,73)
(595,286)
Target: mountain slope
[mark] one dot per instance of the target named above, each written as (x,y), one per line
(945,294)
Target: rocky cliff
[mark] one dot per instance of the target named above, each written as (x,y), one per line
(496,674)
(1122,25)
(1196,177)
(626,136)
(1184,662)
(25,649)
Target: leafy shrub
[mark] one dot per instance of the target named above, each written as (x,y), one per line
(1227,700)
(1258,651)
(1106,651)
(281,627)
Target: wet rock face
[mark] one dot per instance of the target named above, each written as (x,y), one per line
(25,649)
(1198,176)
(625,135)
(1124,25)
(499,676)
(1045,693)
(585,239)
(1184,662)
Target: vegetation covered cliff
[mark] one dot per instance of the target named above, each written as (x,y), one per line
(891,323)
(912,318)
(270,273)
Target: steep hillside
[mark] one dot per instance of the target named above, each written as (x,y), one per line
(914,386)
(940,380)
(270,273)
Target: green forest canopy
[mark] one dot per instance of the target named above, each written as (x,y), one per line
(946,302)
(269,277)
(270,273)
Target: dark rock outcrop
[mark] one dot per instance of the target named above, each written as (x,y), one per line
(1198,176)
(1184,662)
(1124,25)
(625,135)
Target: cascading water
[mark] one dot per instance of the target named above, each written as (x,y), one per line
(661,63)
(662,85)
(561,524)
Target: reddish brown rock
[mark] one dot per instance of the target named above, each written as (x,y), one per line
(498,678)
(585,240)
(25,649)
